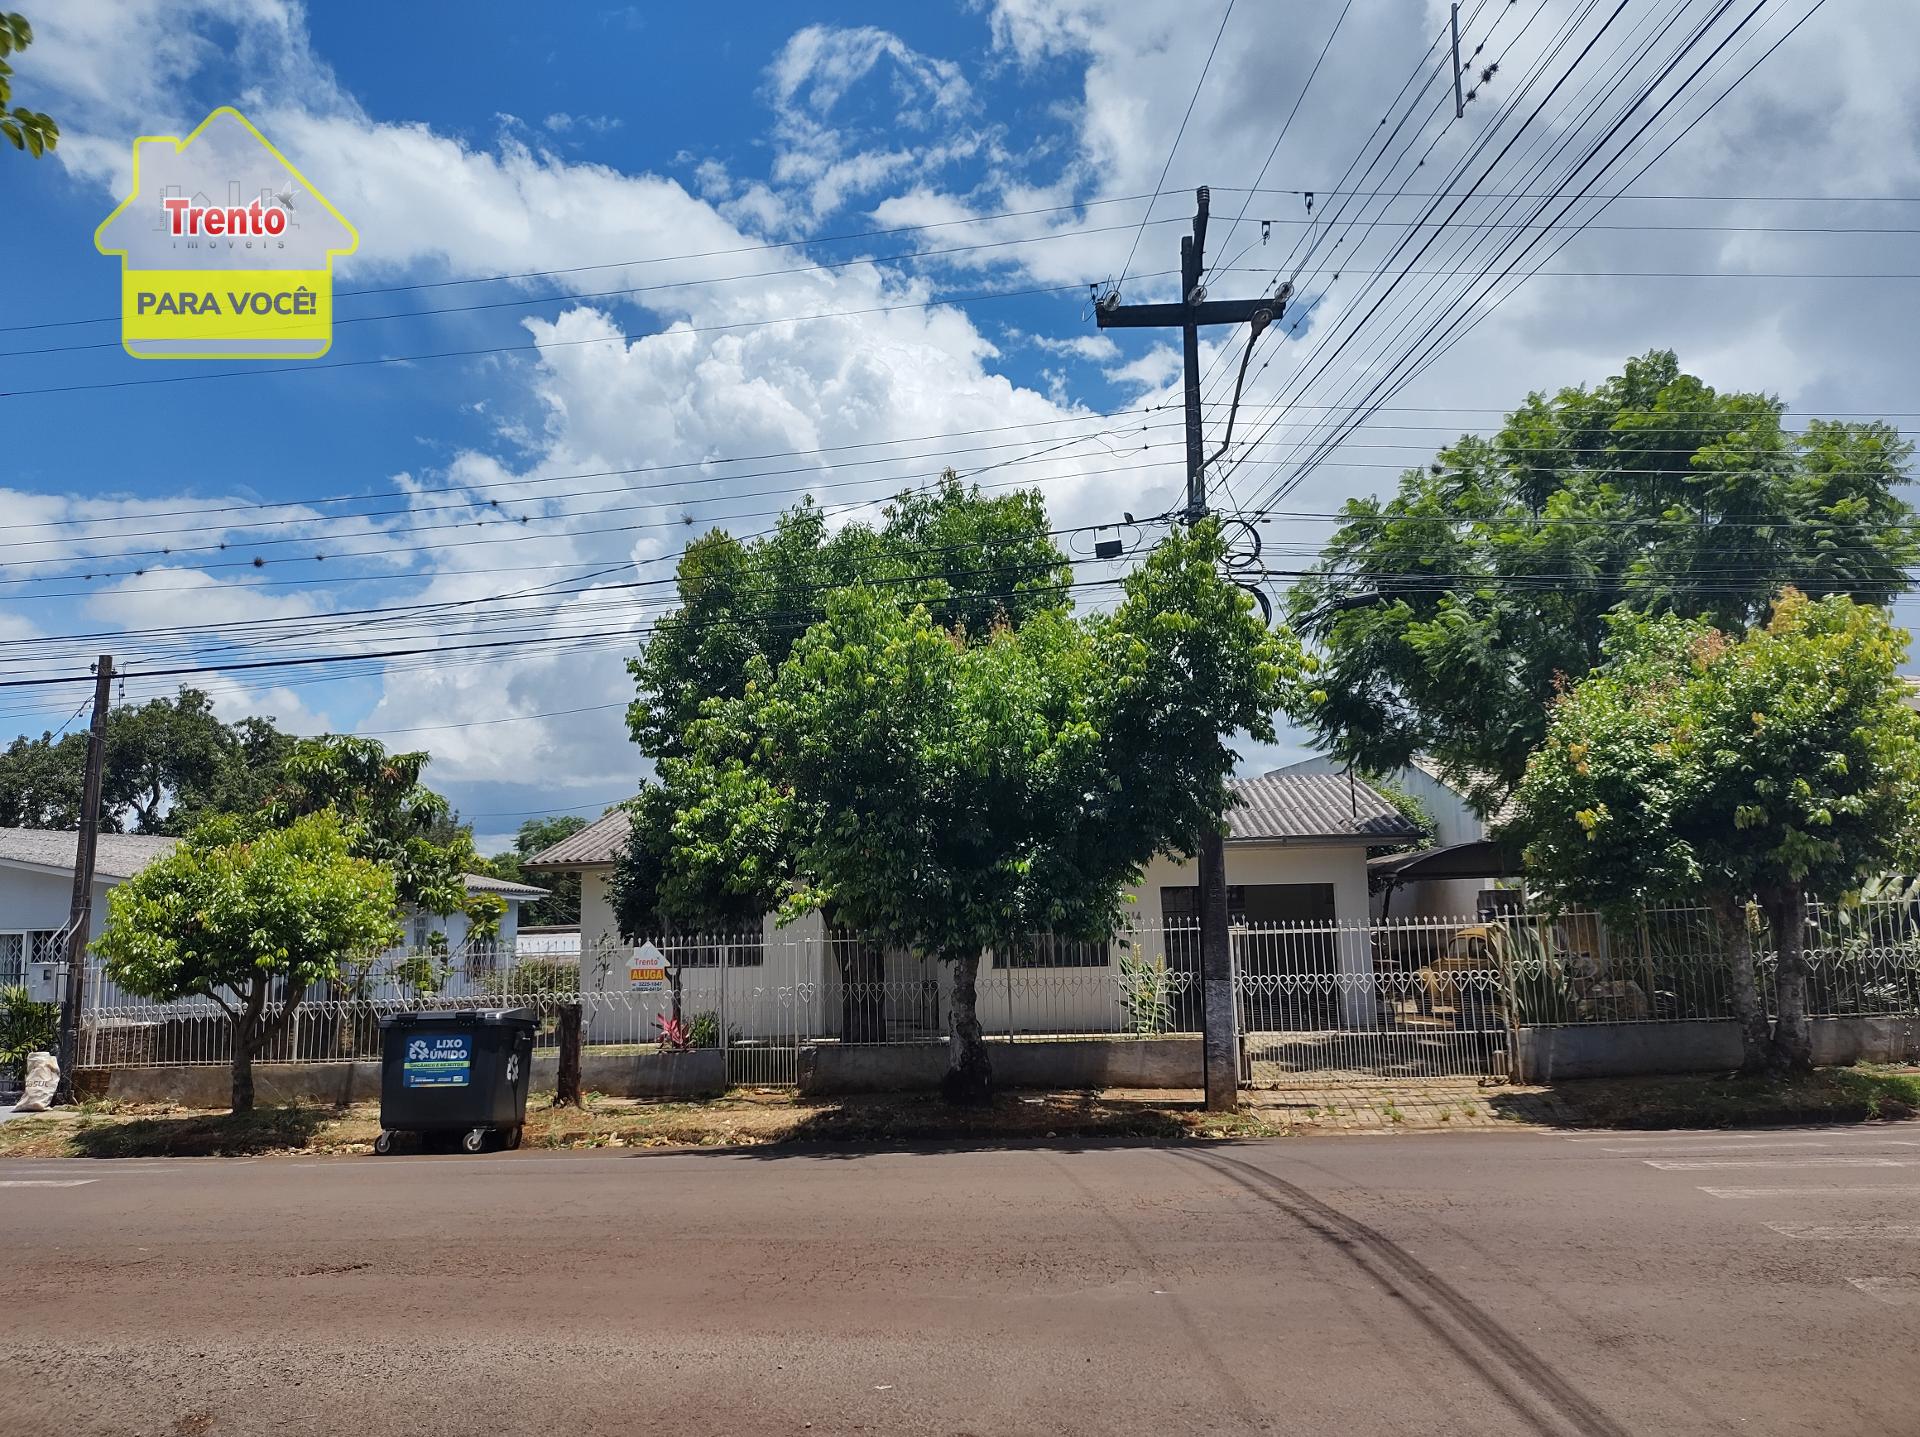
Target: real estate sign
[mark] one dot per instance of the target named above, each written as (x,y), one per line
(647,969)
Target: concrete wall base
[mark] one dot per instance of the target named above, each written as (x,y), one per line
(635,1075)
(1613,1050)
(828,1069)
(1838,1042)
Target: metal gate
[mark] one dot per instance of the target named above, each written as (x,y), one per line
(1418,998)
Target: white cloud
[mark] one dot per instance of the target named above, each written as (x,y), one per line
(1094,348)
(603,401)
(1153,370)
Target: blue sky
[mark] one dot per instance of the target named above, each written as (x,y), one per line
(617,143)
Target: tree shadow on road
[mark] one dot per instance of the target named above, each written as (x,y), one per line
(862,1125)
(1717,1100)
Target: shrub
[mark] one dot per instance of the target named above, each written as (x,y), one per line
(25,1027)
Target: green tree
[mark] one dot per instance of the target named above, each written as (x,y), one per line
(974,561)
(171,762)
(1496,566)
(30,130)
(561,906)
(1764,768)
(952,791)
(387,814)
(251,921)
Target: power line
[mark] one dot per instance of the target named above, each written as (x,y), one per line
(538,347)
(1161,184)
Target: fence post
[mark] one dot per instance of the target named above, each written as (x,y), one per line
(566,1087)
(1006,968)
(720,1010)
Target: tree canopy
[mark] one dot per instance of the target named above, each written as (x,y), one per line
(31,130)
(1766,767)
(974,561)
(1449,614)
(952,789)
(248,918)
(387,815)
(171,762)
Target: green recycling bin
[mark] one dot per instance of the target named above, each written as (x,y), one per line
(460,1071)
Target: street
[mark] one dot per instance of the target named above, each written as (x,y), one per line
(1485,1283)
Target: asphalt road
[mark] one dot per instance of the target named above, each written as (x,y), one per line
(1475,1283)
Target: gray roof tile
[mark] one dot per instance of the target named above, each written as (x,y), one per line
(116,855)
(1313,808)
(600,842)
(485,883)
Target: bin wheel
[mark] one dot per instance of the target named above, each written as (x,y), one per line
(513,1138)
(384,1143)
(473,1140)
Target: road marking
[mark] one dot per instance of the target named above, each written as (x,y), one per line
(1894,1291)
(1888,1188)
(1748,1138)
(1696,1165)
(1850,1231)
(1725,1148)
(46,1182)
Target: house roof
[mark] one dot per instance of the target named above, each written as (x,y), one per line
(1280,808)
(116,855)
(598,845)
(482,883)
(1313,808)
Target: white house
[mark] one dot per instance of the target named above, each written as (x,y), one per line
(36,894)
(1296,855)
(1455,826)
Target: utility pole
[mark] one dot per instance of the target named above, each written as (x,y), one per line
(80,915)
(1220,1018)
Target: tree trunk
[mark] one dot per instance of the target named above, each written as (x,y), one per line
(566,1087)
(1747,1005)
(246,1042)
(969,1075)
(1792,1033)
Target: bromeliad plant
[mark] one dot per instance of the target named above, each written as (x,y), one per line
(676,1035)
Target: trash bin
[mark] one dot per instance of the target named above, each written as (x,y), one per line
(464,1071)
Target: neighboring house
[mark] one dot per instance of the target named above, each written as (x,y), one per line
(36,894)
(551,943)
(1296,854)
(420,929)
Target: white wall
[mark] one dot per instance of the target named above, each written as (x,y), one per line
(1051,999)
(1343,867)
(30,899)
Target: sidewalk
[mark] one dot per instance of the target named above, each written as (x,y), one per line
(755,1117)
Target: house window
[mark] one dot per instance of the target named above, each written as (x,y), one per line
(1050,951)
(13,959)
(44,946)
(419,929)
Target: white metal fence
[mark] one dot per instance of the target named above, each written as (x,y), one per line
(1413,997)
